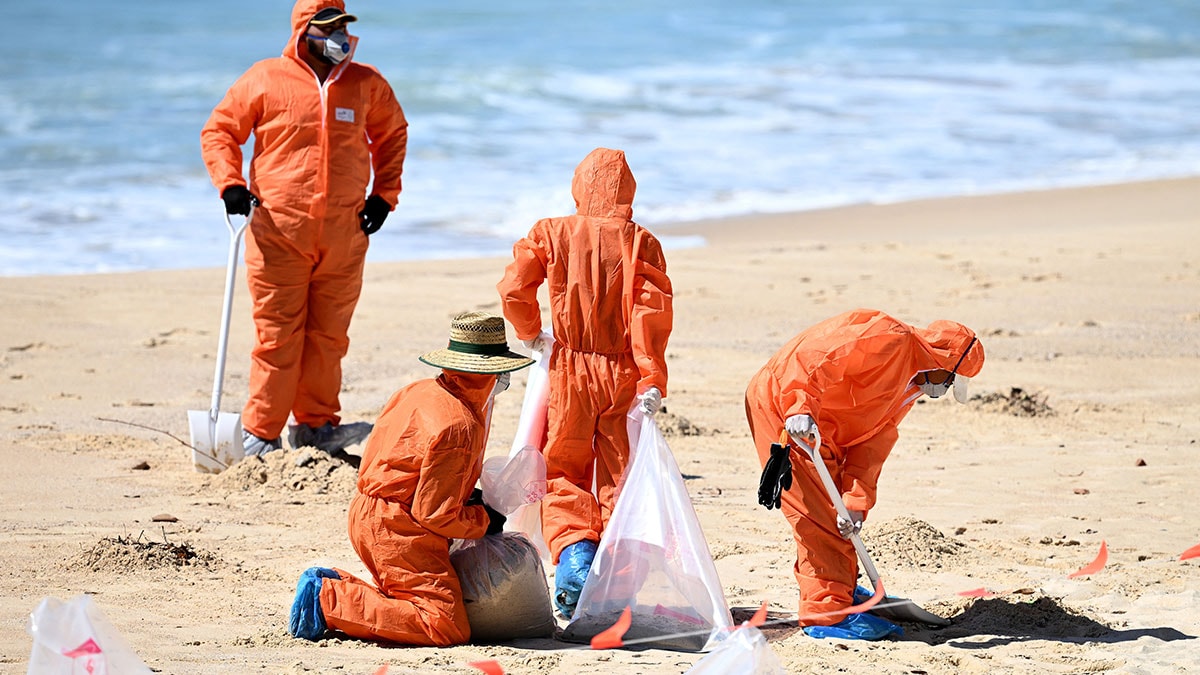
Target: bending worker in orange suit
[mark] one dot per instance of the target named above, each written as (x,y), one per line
(610,307)
(414,495)
(848,381)
(321,124)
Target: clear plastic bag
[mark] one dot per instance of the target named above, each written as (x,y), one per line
(527,478)
(75,637)
(504,588)
(653,558)
(741,652)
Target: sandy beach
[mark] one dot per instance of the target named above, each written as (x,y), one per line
(1083,427)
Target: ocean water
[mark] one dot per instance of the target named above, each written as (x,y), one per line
(723,108)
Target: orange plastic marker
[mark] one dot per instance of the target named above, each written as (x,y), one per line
(976,593)
(1192,552)
(1095,566)
(760,617)
(611,637)
(490,667)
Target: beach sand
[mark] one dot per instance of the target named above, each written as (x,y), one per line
(1084,428)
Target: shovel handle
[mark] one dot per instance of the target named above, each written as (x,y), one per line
(835,496)
(235,240)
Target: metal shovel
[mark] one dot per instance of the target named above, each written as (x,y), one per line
(217,436)
(891,608)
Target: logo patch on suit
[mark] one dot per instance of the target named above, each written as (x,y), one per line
(344,114)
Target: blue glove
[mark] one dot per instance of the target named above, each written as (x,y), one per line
(307,620)
(574,563)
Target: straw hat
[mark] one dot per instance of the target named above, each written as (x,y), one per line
(477,345)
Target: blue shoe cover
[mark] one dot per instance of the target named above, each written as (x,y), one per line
(856,627)
(574,563)
(307,620)
(863,594)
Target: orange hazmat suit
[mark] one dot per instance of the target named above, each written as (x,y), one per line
(610,308)
(853,374)
(418,469)
(316,145)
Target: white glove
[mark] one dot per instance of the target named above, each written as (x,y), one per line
(502,381)
(535,345)
(852,526)
(651,401)
(801,427)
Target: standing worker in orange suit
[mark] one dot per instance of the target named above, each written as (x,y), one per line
(414,496)
(322,124)
(848,381)
(610,307)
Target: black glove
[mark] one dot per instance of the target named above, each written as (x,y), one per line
(496,519)
(776,477)
(238,200)
(375,211)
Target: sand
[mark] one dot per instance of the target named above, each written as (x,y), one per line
(1084,431)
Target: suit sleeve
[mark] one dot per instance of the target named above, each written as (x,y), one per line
(439,503)
(387,133)
(227,129)
(652,315)
(864,462)
(518,289)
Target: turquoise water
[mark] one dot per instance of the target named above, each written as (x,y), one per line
(722,108)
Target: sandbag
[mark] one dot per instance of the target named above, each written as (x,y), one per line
(504,587)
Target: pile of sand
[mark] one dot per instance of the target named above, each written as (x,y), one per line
(127,554)
(1018,616)
(288,472)
(908,542)
(677,425)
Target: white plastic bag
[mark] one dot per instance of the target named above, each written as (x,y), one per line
(654,559)
(530,437)
(743,651)
(504,588)
(75,637)
(509,483)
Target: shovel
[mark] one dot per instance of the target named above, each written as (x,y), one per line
(217,436)
(891,608)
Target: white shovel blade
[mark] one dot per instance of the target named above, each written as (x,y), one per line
(215,452)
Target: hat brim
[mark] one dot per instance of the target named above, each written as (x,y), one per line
(334,19)
(476,363)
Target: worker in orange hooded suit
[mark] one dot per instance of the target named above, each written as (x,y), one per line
(321,124)
(610,308)
(414,496)
(848,381)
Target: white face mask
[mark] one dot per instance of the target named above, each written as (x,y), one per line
(936,390)
(336,47)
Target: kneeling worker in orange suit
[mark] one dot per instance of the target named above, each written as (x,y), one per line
(610,305)
(848,381)
(414,495)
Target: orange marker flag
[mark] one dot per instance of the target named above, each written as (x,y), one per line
(1192,552)
(610,638)
(760,617)
(382,670)
(976,593)
(1095,566)
(490,667)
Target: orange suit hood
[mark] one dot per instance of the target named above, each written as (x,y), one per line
(853,372)
(303,12)
(603,186)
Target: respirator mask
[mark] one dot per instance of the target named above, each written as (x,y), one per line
(334,48)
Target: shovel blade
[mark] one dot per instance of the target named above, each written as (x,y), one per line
(901,609)
(215,447)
